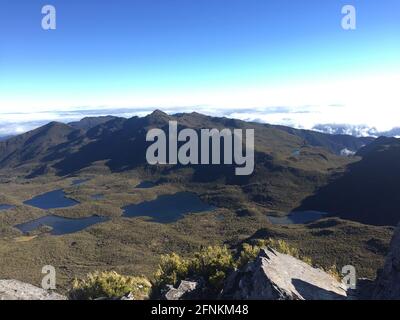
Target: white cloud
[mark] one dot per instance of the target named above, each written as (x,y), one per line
(372,100)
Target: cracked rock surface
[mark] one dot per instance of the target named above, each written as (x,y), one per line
(17,290)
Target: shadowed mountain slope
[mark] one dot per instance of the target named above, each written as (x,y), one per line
(30,146)
(378,145)
(334,143)
(122,144)
(368,191)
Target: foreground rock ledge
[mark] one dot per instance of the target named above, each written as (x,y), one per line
(277,276)
(387,286)
(17,290)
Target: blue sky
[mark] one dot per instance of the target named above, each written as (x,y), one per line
(210,55)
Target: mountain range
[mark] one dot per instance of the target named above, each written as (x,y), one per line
(356,130)
(70,147)
(300,169)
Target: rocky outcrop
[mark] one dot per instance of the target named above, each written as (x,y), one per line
(185,291)
(387,285)
(17,290)
(276,276)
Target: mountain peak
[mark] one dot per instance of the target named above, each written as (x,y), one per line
(55,127)
(158,117)
(55,124)
(158,113)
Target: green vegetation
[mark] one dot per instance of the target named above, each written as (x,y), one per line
(211,264)
(133,246)
(172,269)
(214,263)
(250,252)
(110,285)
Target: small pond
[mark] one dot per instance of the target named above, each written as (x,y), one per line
(298,217)
(60,225)
(51,200)
(145,185)
(168,208)
(6,207)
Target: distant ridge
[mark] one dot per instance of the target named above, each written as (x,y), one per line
(334,142)
(73,146)
(356,130)
(91,122)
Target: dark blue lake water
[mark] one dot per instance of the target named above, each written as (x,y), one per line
(145,185)
(60,225)
(168,208)
(51,200)
(298,217)
(5,207)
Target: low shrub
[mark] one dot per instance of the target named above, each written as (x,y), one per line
(210,264)
(172,269)
(250,252)
(109,284)
(213,265)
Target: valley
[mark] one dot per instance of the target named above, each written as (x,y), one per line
(81,197)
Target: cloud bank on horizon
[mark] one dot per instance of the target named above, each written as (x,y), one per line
(17,123)
(276,61)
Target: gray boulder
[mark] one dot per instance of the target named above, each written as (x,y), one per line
(185,291)
(276,276)
(387,286)
(17,290)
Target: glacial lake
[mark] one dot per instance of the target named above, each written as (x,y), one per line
(145,185)
(298,217)
(60,225)
(51,200)
(168,208)
(6,207)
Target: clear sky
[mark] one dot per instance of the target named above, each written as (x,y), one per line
(279,61)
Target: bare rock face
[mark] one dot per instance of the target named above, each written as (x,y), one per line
(387,286)
(276,276)
(17,290)
(184,291)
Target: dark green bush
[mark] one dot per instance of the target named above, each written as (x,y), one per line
(109,285)
(211,264)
